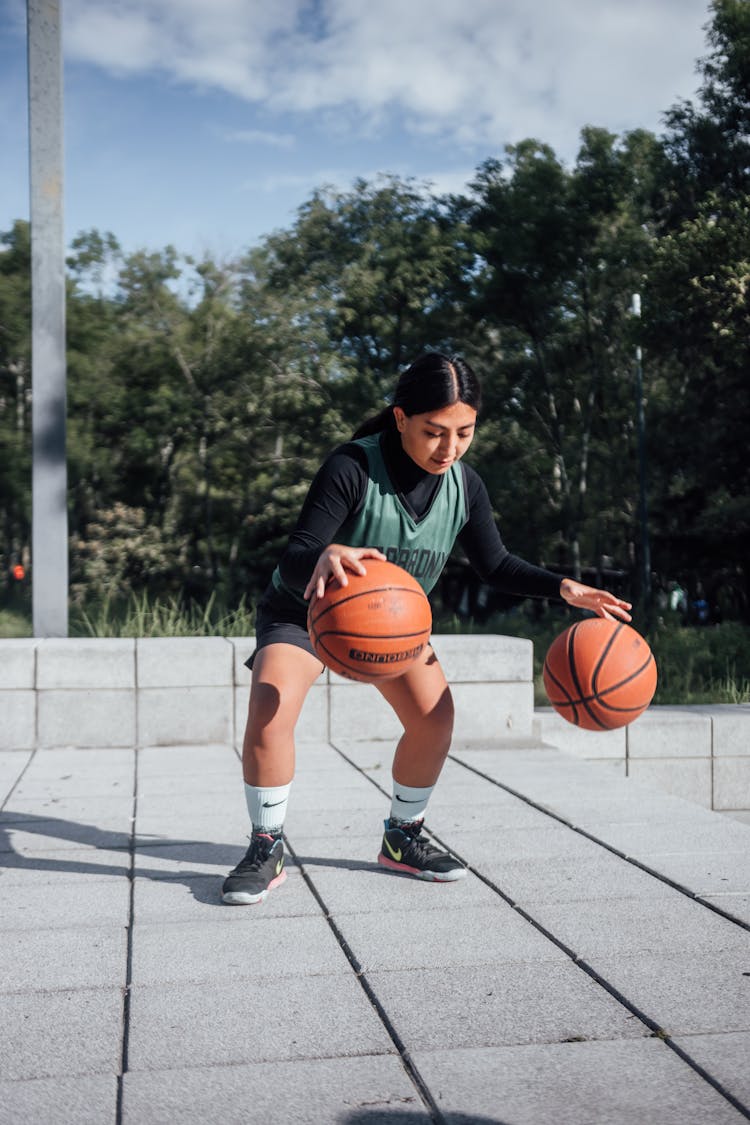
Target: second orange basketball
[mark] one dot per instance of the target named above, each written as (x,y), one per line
(600,674)
(375,627)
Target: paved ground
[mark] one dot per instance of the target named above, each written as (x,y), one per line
(593,968)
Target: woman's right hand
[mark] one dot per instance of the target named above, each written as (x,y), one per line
(334,562)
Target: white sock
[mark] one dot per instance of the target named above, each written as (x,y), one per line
(267,806)
(409,803)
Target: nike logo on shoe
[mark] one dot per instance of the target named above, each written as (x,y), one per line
(279,866)
(396,855)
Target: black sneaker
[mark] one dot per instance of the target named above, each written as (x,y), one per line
(259,872)
(404,850)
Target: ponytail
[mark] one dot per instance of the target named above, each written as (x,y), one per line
(385,420)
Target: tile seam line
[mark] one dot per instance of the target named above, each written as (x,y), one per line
(656,1030)
(694,896)
(407,1062)
(127,989)
(14,786)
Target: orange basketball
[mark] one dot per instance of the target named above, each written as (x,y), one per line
(599,674)
(375,627)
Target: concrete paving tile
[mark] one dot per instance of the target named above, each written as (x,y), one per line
(212,785)
(230,802)
(330,1091)
(98,902)
(703,873)
(311,785)
(742,816)
(87,1100)
(685,993)
(12,763)
(42,868)
(477,935)
(738,905)
(659,810)
(631,926)
(66,1033)
(217,1024)
(627,1082)
(360,796)
(485,816)
(522,843)
(376,890)
(686,836)
(180,760)
(29,836)
(489,1005)
(188,824)
(186,858)
(84,957)
(210,951)
(199,899)
(97,810)
(725,1057)
(344,852)
(343,822)
(559,879)
(63,773)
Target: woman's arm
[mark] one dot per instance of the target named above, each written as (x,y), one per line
(488,555)
(335,493)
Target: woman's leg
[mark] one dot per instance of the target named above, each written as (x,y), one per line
(422,700)
(282,676)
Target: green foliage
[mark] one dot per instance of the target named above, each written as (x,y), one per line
(702,665)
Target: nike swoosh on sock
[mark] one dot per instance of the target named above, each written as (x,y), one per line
(272,804)
(406,801)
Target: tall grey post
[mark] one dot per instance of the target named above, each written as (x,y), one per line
(49,534)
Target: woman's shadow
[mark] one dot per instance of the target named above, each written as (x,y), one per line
(133,848)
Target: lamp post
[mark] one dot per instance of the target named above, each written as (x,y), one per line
(49,532)
(642,497)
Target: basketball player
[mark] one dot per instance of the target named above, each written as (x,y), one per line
(397,490)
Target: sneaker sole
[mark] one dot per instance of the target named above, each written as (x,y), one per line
(244,898)
(428,876)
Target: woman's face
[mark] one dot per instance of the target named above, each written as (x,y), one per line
(436,439)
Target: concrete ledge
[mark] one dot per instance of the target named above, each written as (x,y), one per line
(114,692)
(701,753)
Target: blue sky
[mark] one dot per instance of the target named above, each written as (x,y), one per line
(207,123)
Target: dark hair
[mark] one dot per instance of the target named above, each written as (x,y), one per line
(433,381)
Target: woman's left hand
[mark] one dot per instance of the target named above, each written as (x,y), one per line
(600,601)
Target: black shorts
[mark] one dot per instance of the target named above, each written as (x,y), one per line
(278,620)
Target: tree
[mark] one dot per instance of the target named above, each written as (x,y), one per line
(15,398)
(562,252)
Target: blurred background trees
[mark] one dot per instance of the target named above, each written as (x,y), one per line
(203,395)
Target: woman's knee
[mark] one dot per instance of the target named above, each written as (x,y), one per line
(437,723)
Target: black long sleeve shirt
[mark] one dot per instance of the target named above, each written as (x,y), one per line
(338,491)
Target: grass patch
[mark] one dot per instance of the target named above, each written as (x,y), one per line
(14,624)
(139,616)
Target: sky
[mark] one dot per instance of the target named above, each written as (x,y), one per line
(206,124)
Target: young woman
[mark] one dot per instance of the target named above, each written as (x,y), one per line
(396,489)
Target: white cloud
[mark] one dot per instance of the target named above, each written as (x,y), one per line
(259,137)
(474,71)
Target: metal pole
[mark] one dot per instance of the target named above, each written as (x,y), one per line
(642,495)
(49,531)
